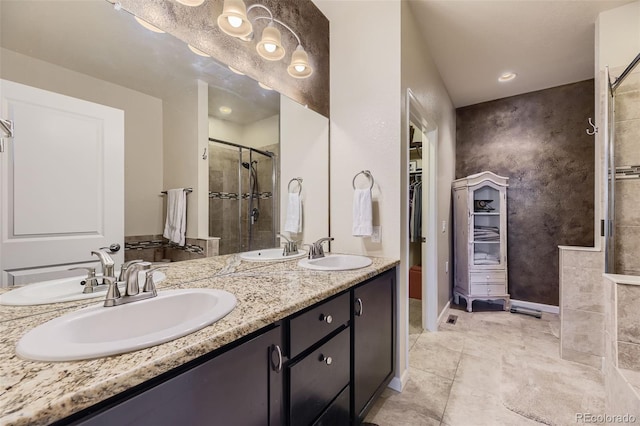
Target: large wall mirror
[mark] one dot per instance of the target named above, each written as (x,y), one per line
(189,122)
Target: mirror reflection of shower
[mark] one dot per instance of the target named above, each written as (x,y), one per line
(242,210)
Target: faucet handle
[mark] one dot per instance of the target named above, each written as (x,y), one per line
(113,292)
(91,272)
(149,284)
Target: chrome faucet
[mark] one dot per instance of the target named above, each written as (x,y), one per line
(125,266)
(316,250)
(290,247)
(106,261)
(132,285)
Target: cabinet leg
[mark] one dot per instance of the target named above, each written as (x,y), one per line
(469,305)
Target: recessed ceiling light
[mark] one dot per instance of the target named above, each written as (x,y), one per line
(149,26)
(507,76)
(225,110)
(197,51)
(264,86)
(235,70)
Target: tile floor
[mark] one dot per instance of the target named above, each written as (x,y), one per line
(491,368)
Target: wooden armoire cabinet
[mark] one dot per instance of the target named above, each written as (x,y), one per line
(480,238)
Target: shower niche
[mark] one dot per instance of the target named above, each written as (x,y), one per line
(242,195)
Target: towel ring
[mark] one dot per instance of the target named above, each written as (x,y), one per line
(299,180)
(368,174)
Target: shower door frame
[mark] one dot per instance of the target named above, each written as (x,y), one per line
(274,192)
(609,161)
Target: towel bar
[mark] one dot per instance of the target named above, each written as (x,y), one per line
(187,190)
(368,174)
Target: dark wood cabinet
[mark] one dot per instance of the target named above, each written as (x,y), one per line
(323,366)
(373,330)
(242,386)
(317,378)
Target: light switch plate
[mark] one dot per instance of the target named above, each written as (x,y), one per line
(375,234)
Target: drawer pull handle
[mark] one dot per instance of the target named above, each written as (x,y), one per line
(326,318)
(278,366)
(326,359)
(360,309)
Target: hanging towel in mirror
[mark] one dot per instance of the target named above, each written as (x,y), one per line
(362,213)
(175,225)
(293,223)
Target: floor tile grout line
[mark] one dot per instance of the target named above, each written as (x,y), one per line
(451,388)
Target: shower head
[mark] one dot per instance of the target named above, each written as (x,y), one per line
(246,164)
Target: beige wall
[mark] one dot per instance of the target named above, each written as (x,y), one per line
(420,74)
(304,147)
(181,151)
(376,53)
(143,131)
(262,133)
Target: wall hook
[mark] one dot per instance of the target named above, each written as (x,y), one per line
(204,154)
(594,129)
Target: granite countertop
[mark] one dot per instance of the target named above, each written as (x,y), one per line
(38,393)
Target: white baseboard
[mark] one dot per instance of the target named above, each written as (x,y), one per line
(444,312)
(537,306)
(398,383)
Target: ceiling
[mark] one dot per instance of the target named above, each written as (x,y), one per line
(547,43)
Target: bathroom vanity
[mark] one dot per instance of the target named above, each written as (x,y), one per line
(300,348)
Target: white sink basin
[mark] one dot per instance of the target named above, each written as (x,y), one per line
(97,331)
(336,262)
(60,290)
(271,254)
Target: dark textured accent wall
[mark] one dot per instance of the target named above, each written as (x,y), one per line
(538,140)
(198,27)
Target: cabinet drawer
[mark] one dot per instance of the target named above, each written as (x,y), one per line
(311,326)
(338,413)
(499,277)
(488,290)
(318,378)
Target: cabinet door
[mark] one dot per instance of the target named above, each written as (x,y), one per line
(242,386)
(373,340)
(487,231)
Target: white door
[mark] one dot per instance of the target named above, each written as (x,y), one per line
(62,182)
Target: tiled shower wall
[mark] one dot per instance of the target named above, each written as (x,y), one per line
(229,202)
(627,191)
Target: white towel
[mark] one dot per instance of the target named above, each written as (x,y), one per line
(362,213)
(293,223)
(175,225)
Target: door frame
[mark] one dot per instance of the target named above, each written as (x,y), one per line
(415,113)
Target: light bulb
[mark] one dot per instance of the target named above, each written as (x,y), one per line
(300,68)
(234,21)
(270,47)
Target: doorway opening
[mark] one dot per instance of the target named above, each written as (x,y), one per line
(421,240)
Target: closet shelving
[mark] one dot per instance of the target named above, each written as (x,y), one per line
(480,238)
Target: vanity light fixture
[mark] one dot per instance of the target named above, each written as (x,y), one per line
(235,70)
(148,25)
(197,51)
(234,21)
(507,76)
(264,86)
(192,3)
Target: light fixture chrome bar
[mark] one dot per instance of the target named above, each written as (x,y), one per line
(618,81)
